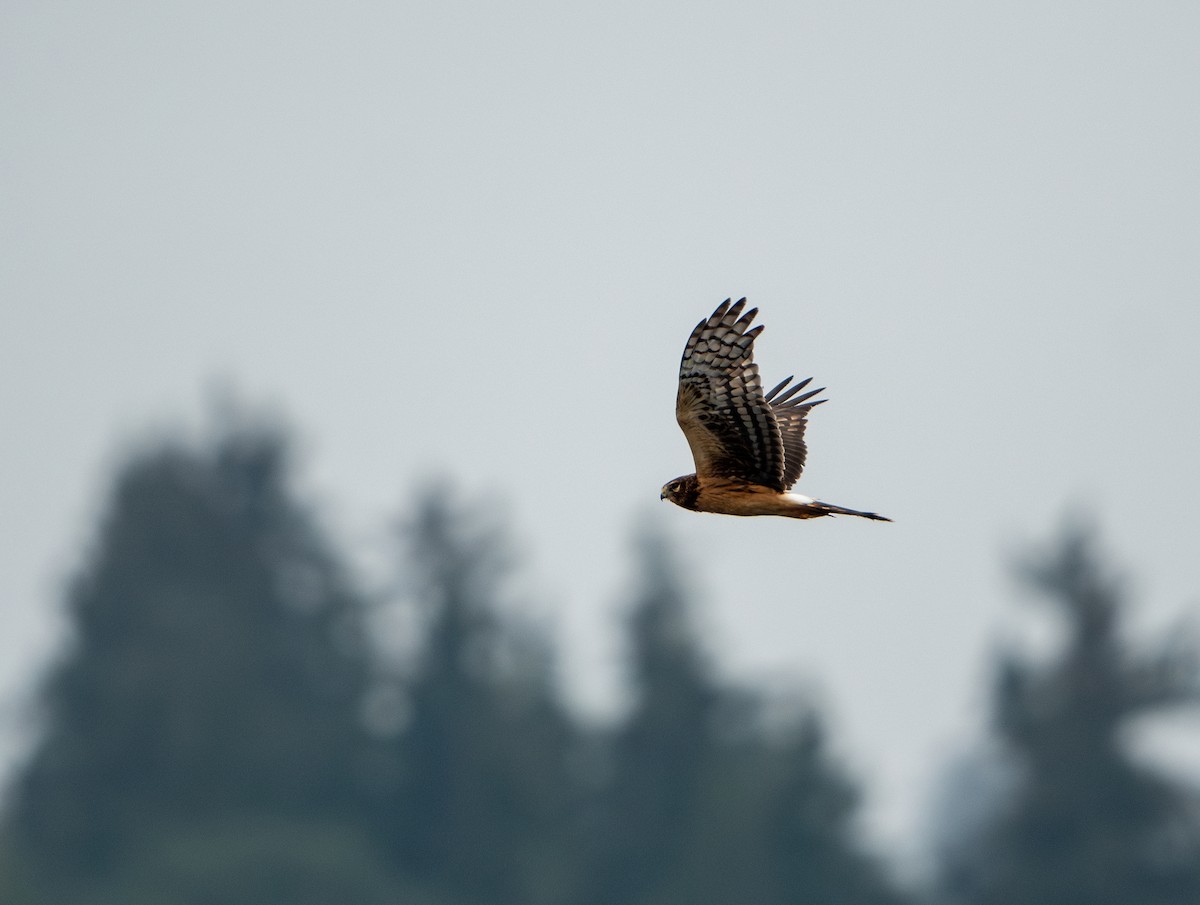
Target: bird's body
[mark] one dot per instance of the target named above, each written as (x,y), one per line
(748,445)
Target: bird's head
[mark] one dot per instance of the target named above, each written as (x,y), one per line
(681,491)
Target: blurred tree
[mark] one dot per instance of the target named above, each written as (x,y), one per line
(1083,823)
(649,805)
(811,831)
(216,668)
(718,795)
(482,807)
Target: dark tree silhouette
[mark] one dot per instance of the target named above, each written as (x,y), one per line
(482,808)
(1085,824)
(710,800)
(216,665)
(650,804)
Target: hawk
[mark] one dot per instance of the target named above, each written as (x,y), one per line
(748,446)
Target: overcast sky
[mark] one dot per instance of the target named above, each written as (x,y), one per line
(470,239)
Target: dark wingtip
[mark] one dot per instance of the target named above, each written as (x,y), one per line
(770,395)
(786,398)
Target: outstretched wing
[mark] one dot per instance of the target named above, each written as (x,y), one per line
(730,427)
(791,414)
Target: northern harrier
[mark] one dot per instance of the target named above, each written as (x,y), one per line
(749,447)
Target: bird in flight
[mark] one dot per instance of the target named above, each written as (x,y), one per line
(748,446)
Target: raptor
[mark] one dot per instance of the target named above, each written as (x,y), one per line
(748,445)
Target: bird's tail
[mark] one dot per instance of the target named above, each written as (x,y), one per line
(830,509)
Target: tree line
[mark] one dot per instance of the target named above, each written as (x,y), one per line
(223,727)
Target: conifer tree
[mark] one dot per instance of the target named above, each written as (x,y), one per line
(811,830)
(716,795)
(481,811)
(1085,823)
(215,669)
(649,805)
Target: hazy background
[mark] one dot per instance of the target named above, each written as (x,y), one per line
(470,239)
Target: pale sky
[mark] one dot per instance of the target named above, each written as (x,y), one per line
(470,239)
